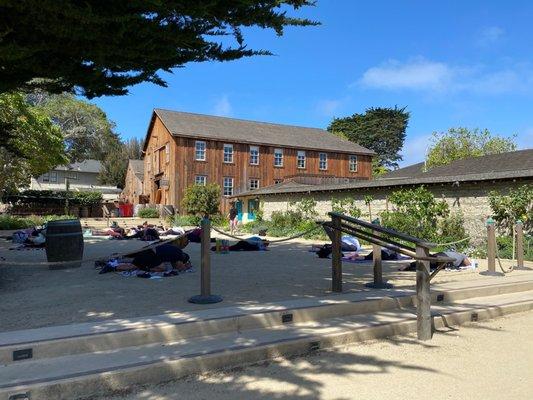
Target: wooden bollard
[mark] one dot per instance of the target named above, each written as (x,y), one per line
(336,256)
(491,250)
(205,296)
(424,327)
(519,231)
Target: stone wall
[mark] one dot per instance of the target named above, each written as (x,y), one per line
(470,198)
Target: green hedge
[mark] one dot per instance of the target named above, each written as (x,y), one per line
(53,197)
(12,222)
(148,213)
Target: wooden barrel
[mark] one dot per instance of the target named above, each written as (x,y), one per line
(64,242)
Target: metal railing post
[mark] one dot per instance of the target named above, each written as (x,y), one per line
(336,255)
(377,264)
(205,296)
(519,230)
(423,308)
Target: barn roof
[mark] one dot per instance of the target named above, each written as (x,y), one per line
(210,127)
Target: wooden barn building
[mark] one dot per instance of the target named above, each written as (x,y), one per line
(133,185)
(183,149)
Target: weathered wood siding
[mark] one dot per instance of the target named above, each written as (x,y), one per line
(183,167)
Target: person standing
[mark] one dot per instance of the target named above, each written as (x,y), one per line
(232,218)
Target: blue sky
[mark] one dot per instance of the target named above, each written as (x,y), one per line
(451,63)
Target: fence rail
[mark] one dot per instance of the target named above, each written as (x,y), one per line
(380,237)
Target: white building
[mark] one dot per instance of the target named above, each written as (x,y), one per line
(82,176)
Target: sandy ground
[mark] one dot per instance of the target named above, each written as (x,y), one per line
(34,296)
(487,360)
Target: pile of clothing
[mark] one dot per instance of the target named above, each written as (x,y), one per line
(31,238)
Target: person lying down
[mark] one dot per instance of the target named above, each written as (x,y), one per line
(254,243)
(167,258)
(459,260)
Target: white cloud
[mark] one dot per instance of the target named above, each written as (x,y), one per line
(328,107)
(437,77)
(417,74)
(490,35)
(222,107)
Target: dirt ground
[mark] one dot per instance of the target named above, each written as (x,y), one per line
(490,360)
(34,296)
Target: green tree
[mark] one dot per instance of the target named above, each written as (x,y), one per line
(202,200)
(88,133)
(102,47)
(416,212)
(459,143)
(30,144)
(347,206)
(378,129)
(114,165)
(516,205)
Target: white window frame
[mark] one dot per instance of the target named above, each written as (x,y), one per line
(53,177)
(300,156)
(229,159)
(167,153)
(200,148)
(45,177)
(255,184)
(352,163)
(323,161)
(278,156)
(254,155)
(227,190)
(200,180)
(72,175)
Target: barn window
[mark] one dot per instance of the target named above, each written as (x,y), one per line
(323,161)
(353,163)
(200,150)
(228,153)
(301,159)
(227,186)
(254,155)
(200,180)
(253,184)
(278,157)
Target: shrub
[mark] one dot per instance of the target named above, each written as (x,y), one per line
(53,197)
(416,212)
(305,207)
(451,228)
(184,220)
(517,205)
(148,213)
(202,200)
(346,206)
(505,248)
(14,222)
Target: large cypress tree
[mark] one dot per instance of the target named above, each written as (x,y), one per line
(102,47)
(378,129)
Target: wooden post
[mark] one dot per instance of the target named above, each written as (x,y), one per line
(336,257)
(376,260)
(423,308)
(205,296)
(377,265)
(519,230)
(491,250)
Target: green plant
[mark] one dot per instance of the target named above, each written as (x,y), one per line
(148,213)
(505,248)
(346,206)
(450,229)
(305,207)
(517,205)
(416,212)
(13,222)
(202,200)
(459,143)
